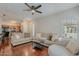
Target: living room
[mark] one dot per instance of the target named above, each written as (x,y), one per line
(39,29)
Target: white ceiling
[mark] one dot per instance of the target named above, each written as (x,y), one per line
(14,11)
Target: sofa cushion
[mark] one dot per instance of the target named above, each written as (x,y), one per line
(27,35)
(73,46)
(38,35)
(45,35)
(63,42)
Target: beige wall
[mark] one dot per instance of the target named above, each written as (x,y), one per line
(55,22)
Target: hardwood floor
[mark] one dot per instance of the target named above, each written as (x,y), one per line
(26,49)
(22,50)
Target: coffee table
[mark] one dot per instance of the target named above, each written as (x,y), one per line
(39,44)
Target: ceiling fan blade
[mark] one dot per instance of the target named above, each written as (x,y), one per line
(38,7)
(38,11)
(28,5)
(27,10)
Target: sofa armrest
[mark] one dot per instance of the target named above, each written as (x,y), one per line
(57,50)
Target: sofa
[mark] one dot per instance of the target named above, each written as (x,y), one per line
(72,48)
(20,38)
(45,37)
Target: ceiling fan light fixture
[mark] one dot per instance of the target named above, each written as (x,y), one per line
(33,11)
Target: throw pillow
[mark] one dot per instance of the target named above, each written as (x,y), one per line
(50,37)
(73,46)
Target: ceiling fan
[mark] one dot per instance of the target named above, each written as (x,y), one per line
(33,9)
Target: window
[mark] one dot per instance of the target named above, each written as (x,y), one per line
(70,31)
